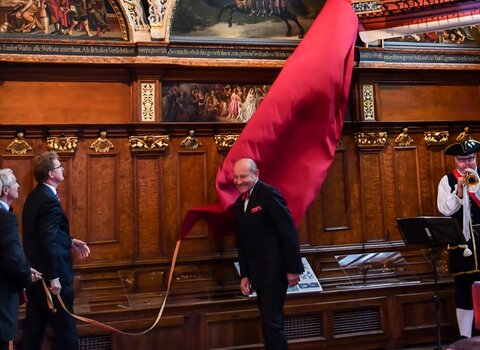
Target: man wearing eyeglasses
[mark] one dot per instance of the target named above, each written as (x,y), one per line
(459,197)
(49,246)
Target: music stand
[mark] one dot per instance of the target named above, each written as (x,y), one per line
(432,231)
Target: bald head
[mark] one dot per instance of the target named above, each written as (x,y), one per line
(245,174)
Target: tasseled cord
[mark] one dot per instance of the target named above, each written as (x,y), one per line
(466,251)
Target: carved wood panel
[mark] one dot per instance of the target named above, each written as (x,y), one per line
(372,195)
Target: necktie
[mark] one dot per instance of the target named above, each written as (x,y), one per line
(246,195)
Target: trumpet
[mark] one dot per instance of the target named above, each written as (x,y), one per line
(471,181)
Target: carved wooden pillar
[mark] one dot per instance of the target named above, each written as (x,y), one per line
(436,142)
(373,196)
(406,175)
(148,204)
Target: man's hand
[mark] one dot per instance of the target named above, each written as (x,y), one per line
(55,286)
(36,276)
(245,286)
(80,248)
(293,279)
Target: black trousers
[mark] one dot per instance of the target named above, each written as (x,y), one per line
(270,302)
(463,290)
(38,315)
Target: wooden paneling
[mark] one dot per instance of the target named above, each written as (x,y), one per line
(65,102)
(407,182)
(335,190)
(224,331)
(373,194)
(411,102)
(102,194)
(128,206)
(437,169)
(148,204)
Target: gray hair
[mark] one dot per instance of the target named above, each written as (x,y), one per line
(7,178)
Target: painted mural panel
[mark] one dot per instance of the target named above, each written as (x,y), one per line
(285,21)
(460,36)
(195,102)
(58,19)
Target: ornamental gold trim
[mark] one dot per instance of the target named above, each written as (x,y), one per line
(225,142)
(62,144)
(371,139)
(19,145)
(436,138)
(147,102)
(368,102)
(403,139)
(102,144)
(149,142)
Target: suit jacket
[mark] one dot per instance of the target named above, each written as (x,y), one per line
(14,274)
(268,245)
(46,235)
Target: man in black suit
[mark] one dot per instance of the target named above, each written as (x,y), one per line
(49,246)
(15,272)
(268,249)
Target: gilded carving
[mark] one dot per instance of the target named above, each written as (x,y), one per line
(136,14)
(19,145)
(464,135)
(403,139)
(156,12)
(364,7)
(436,138)
(149,142)
(225,142)
(102,144)
(191,142)
(62,144)
(372,138)
(148,102)
(368,102)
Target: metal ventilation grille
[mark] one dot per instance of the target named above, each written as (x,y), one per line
(304,327)
(355,321)
(101,342)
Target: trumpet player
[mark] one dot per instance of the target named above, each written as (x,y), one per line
(459,197)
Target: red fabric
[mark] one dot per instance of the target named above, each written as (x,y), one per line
(293,134)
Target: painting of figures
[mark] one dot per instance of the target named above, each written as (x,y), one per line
(194,102)
(58,19)
(240,20)
(462,37)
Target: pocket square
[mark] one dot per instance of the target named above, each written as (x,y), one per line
(256,209)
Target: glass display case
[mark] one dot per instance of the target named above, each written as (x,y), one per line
(375,270)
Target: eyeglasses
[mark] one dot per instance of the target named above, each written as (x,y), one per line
(466,160)
(57,167)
